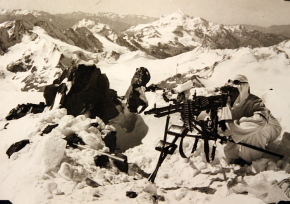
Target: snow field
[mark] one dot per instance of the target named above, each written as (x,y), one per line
(37,174)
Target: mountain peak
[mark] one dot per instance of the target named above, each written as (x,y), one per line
(177,17)
(178,11)
(85,23)
(177,14)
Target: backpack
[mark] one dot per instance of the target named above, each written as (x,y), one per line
(141,77)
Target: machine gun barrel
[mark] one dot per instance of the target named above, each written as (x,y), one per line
(224,139)
(193,106)
(259,149)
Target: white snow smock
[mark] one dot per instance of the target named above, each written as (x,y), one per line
(251,123)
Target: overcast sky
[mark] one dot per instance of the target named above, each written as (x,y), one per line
(256,12)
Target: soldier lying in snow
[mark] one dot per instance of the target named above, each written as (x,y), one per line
(248,121)
(251,123)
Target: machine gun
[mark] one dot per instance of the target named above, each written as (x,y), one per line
(205,129)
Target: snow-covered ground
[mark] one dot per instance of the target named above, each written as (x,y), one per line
(33,175)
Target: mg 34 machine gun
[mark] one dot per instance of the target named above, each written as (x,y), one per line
(206,129)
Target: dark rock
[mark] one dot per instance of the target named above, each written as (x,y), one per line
(89,93)
(122,166)
(52,30)
(160,198)
(96,195)
(131,194)
(83,38)
(18,66)
(153,88)
(206,190)
(95,124)
(16,147)
(38,108)
(12,33)
(50,93)
(65,74)
(48,129)
(74,139)
(102,161)
(5,202)
(92,183)
(4,40)
(5,126)
(23,109)
(111,140)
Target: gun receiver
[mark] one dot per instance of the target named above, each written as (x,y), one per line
(191,108)
(163,111)
(196,105)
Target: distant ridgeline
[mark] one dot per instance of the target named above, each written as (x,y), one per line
(179,32)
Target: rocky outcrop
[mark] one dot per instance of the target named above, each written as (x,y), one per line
(23,109)
(12,32)
(86,92)
(18,66)
(164,50)
(80,37)
(83,38)
(4,40)
(53,31)
(22,65)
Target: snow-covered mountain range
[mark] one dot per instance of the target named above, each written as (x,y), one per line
(274,29)
(178,33)
(67,20)
(34,42)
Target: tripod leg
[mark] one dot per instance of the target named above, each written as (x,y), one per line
(160,160)
(194,145)
(163,153)
(206,149)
